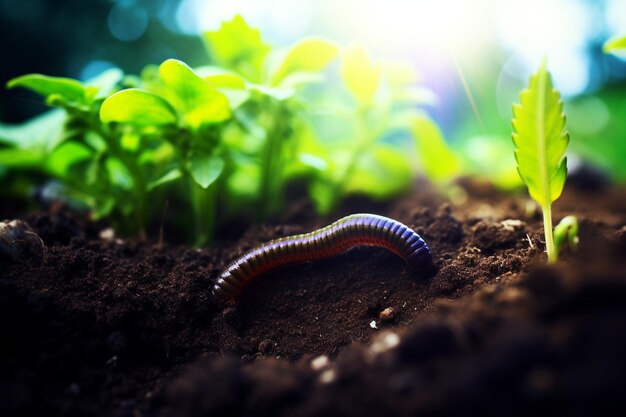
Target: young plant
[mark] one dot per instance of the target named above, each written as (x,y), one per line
(270,123)
(540,141)
(566,232)
(366,145)
(222,141)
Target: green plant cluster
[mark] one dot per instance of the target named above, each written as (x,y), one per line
(225,140)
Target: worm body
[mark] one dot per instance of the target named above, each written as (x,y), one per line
(345,233)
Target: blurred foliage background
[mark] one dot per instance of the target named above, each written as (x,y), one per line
(460,63)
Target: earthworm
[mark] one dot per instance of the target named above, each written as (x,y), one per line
(345,233)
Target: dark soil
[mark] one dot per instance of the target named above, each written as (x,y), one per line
(112,327)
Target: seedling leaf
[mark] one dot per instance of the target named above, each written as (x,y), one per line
(566,231)
(540,141)
(437,159)
(360,75)
(137,107)
(195,99)
(309,55)
(205,169)
(168,177)
(68,89)
(239,47)
(540,138)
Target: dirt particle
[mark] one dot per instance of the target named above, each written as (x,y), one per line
(387,315)
(328,376)
(320,363)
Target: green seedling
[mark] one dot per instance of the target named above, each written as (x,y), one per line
(224,141)
(368,144)
(566,232)
(540,141)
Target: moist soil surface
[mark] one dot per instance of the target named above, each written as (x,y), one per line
(113,327)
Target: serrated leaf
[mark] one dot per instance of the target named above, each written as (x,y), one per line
(615,45)
(138,107)
(70,90)
(205,169)
(360,75)
(540,138)
(195,99)
(308,55)
(239,47)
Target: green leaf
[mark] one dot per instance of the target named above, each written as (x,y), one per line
(381,173)
(566,230)
(195,99)
(238,47)
(21,158)
(489,158)
(66,155)
(105,83)
(171,175)
(68,89)
(205,169)
(221,78)
(308,55)
(44,131)
(540,138)
(437,159)
(360,75)
(614,45)
(137,107)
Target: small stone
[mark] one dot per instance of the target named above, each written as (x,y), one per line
(328,376)
(373,324)
(107,234)
(320,363)
(385,342)
(387,314)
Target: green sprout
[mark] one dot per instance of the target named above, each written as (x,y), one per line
(566,232)
(223,141)
(540,141)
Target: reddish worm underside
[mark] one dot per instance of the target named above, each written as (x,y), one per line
(345,233)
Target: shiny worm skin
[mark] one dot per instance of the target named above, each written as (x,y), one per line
(345,233)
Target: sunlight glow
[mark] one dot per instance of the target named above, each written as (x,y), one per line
(433,32)
(400,26)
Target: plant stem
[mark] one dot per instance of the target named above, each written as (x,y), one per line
(139,183)
(367,138)
(203,207)
(269,190)
(547,226)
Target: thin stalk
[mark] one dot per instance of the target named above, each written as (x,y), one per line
(367,139)
(139,183)
(203,207)
(269,195)
(547,226)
